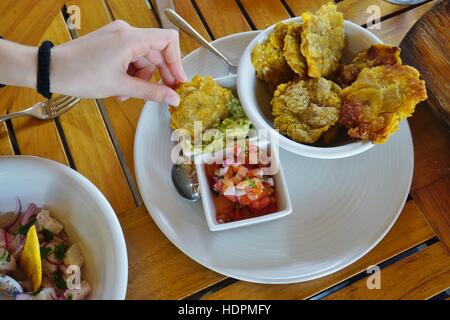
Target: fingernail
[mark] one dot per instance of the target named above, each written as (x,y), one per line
(173,100)
(122,98)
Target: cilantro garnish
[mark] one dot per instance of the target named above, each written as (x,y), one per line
(60,250)
(3,256)
(23,229)
(48,235)
(59,280)
(45,252)
(6,256)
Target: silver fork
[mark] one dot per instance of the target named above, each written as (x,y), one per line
(45,110)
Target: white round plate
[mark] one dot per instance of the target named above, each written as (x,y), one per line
(341,208)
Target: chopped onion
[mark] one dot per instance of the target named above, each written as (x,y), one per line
(222,171)
(269,181)
(231,191)
(258,172)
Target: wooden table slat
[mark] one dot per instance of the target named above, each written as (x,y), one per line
(223,17)
(157,269)
(410,230)
(136,12)
(5,143)
(359,11)
(26,21)
(394,29)
(298,7)
(431,139)
(434,201)
(188,12)
(31,133)
(419,276)
(265,13)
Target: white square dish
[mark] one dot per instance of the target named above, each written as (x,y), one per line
(281,194)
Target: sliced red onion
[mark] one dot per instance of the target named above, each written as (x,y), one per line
(58,263)
(63,236)
(17,213)
(27,215)
(19,250)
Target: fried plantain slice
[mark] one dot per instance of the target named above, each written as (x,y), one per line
(323,40)
(376,55)
(304,109)
(292,52)
(268,59)
(201,99)
(380,98)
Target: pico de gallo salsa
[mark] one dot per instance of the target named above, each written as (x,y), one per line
(240,189)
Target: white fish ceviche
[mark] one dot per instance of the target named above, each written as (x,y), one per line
(50,256)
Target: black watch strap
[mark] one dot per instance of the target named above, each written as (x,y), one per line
(43,73)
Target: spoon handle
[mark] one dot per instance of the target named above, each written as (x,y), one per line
(178,21)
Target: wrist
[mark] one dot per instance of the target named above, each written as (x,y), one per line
(57,69)
(18,64)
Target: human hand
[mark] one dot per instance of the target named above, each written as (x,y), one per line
(118,60)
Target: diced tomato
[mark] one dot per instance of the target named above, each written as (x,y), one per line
(253,195)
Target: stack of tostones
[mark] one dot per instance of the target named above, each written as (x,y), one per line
(302,59)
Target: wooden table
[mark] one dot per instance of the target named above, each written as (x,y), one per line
(96,138)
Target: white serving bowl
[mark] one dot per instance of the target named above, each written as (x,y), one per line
(87,217)
(281,193)
(255,98)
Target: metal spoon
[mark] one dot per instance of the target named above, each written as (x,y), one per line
(185,181)
(9,288)
(178,21)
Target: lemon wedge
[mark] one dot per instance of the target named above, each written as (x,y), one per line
(30,258)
